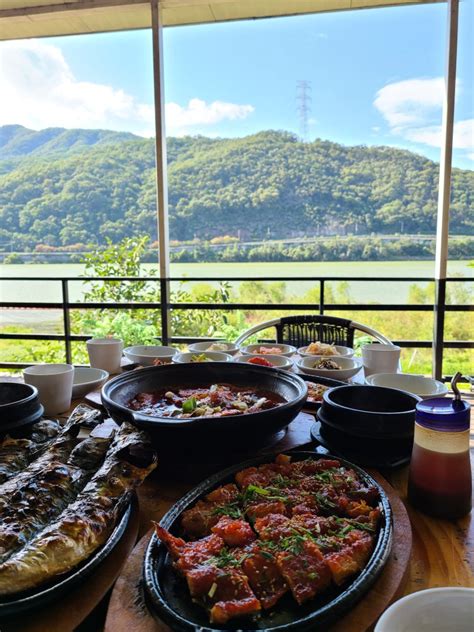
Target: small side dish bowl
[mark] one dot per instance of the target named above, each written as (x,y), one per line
(271,348)
(19,406)
(205,356)
(277,361)
(86,379)
(432,610)
(146,355)
(214,345)
(346,352)
(348,367)
(424,387)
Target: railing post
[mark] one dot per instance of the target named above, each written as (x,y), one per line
(321,296)
(165,311)
(66,320)
(438,333)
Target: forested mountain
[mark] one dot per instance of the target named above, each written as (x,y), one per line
(65,187)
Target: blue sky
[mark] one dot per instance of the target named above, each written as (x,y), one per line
(375,76)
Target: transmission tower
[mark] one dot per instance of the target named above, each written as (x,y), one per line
(303,100)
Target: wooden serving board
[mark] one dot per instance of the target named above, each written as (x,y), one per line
(128,611)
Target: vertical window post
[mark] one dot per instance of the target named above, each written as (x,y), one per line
(161,169)
(444,191)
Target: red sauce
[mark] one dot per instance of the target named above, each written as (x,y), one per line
(440,484)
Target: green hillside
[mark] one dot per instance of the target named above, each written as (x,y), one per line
(65,187)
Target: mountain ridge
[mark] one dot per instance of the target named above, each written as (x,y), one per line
(86,186)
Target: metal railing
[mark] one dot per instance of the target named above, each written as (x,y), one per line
(440,308)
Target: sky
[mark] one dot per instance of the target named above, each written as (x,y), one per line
(375,77)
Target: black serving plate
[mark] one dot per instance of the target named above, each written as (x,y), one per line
(19,406)
(168,597)
(206,433)
(23,602)
(326,381)
(360,451)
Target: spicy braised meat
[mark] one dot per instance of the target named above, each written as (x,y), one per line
(315,392)
(283,527)
(217,400)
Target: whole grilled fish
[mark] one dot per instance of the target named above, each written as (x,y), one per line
(17,453)
(85,524)
(58,448)
(42,497)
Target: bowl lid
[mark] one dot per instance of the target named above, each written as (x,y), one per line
(445,415)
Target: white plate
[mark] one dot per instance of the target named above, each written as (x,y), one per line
(286,350)
(433,610)
(278,361)
(199,347)
(347,352)
(212,356)
(147,354)
(87,379)
(349,367)
(424,387)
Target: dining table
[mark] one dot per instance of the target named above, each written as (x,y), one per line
(427,552)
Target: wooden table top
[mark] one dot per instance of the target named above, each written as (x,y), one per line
(442,553)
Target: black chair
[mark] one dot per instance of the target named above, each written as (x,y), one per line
(302,330)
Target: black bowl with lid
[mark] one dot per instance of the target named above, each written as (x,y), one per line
(370,411)
(19,407)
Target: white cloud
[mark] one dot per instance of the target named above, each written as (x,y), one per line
(40,90)
(463,135)
(413,110)
(409,102)
(197,113)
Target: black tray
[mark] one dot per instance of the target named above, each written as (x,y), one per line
(38,598)
(321,433)
(169,599)
(326,381)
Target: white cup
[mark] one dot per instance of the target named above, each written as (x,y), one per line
(380,358)
(105,353)
(54,384)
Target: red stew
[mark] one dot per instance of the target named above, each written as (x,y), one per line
(217,400)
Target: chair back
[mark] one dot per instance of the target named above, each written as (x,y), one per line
(301,330)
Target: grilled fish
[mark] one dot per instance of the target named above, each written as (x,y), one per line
(17,453)
(57,449)
(85,524)
(41,498)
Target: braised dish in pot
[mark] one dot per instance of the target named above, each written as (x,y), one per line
(192,427)
(218,400)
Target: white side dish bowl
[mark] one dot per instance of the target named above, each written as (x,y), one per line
(286,350)
(147,354)
(347,352)
(432,610)
(349,367)
(87,379)
(424,387)
(278,361)
(227,347)
(211,356)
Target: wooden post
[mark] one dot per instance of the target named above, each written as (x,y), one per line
(161,169)
(444,191)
